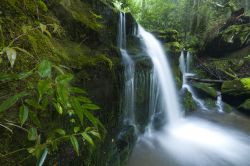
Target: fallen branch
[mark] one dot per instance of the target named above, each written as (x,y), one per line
(205,80)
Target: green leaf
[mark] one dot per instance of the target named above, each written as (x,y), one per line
(11,55)
(34,104)
(60,131)
(42,157)
(64,79)
(11,101)
(58,107)
(92,119)
(23,114)
(88,138)
(78,109)
(74,143)
(77,90)
(43,87)
(76,129)
(43,27)
(32,134)
(95,133)
(44,69)
(34,119)
(91,107)
(84,99)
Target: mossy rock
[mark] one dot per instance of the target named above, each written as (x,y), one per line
(174,47)
(188,102)
(205,90)
(169,35)
(236,91)
(245,107)
(231,39)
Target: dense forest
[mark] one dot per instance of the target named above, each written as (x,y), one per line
(124,82)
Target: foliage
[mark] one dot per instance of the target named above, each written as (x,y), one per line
(37,96)
(50,93)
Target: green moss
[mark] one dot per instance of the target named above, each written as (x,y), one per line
(246,82)
(205,88)
(174,47)
(238,34)
(82,12)
(189,103)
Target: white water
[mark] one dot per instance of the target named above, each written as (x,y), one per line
(219,102)
(187,141)
(185,69)
(129,71)
(163,75)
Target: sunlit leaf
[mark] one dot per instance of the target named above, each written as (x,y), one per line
(43,27)
(91,107)
(83,99)
(11,55)
(23,114)
(88,138)
(75,144)
(95,133)
(11,101)
(44,69)
(58,107)
(32,134)
(77,90)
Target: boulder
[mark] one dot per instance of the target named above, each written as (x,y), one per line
(236,91)
(245,107)
(205,90)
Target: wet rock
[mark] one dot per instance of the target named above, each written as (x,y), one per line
(205,90)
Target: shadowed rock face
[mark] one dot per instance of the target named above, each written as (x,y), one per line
(231,39)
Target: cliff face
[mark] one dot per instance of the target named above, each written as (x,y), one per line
(79,36)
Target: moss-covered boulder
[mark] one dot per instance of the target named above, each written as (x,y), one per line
(236,91)
(230,39)
(245,107)
(205,90)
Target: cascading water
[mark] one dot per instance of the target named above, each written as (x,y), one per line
(186,141)
(163,76)
(184,62)
(128,103)
(219,102)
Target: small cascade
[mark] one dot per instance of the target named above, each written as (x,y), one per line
(219,102)
(128,102)
(184,64)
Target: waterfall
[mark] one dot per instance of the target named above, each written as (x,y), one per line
(128,101)
(182,141)
(184,63)
(162,77)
